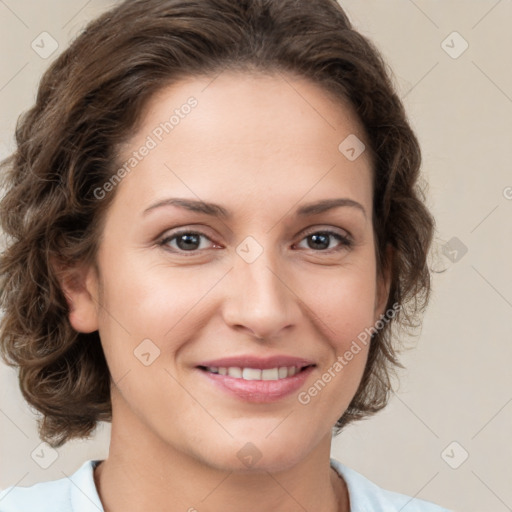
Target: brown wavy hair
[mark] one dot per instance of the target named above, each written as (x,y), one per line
(89,102)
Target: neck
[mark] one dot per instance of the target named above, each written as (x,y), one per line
(142,472)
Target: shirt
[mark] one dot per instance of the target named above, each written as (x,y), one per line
(77,493)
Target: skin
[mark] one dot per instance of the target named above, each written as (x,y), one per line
(260,146)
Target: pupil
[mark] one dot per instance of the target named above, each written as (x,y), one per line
(322,238)
(189,239)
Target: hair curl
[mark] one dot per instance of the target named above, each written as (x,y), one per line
(89,102)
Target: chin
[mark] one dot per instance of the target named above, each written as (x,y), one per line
(259,453)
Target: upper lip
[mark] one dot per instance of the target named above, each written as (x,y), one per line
(248,361)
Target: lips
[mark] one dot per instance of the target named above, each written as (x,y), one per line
(256,379)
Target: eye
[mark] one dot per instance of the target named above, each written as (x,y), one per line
(190,241)
(320,240)
(185,241)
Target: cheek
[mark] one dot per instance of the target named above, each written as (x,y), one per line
(343,306)
(146,316)
(342,301)
(156,302)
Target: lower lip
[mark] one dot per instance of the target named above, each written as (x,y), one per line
(259,391)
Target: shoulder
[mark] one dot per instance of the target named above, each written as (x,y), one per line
(365,496)
(70,493)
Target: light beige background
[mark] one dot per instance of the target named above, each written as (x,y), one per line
(458,383)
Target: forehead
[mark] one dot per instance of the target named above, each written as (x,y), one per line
(240,134)
(246,105)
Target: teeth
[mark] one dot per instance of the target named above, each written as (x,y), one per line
(251,374)
(234,372)
(281,372)
(270,374)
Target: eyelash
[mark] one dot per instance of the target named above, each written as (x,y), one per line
(345,241)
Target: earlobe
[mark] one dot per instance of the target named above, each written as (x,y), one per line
(80,287)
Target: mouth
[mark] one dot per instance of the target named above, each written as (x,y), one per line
(257,380)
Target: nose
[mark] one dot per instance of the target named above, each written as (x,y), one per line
(260,298)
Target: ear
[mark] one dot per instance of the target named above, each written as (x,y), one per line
(384,283)
(80,287)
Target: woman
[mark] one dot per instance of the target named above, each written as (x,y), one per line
(214,221)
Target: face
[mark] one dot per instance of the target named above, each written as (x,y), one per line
(217,322)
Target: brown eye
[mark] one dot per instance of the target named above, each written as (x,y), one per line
(184,241)
(321,240)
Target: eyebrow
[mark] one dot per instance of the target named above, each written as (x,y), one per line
(216,210)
